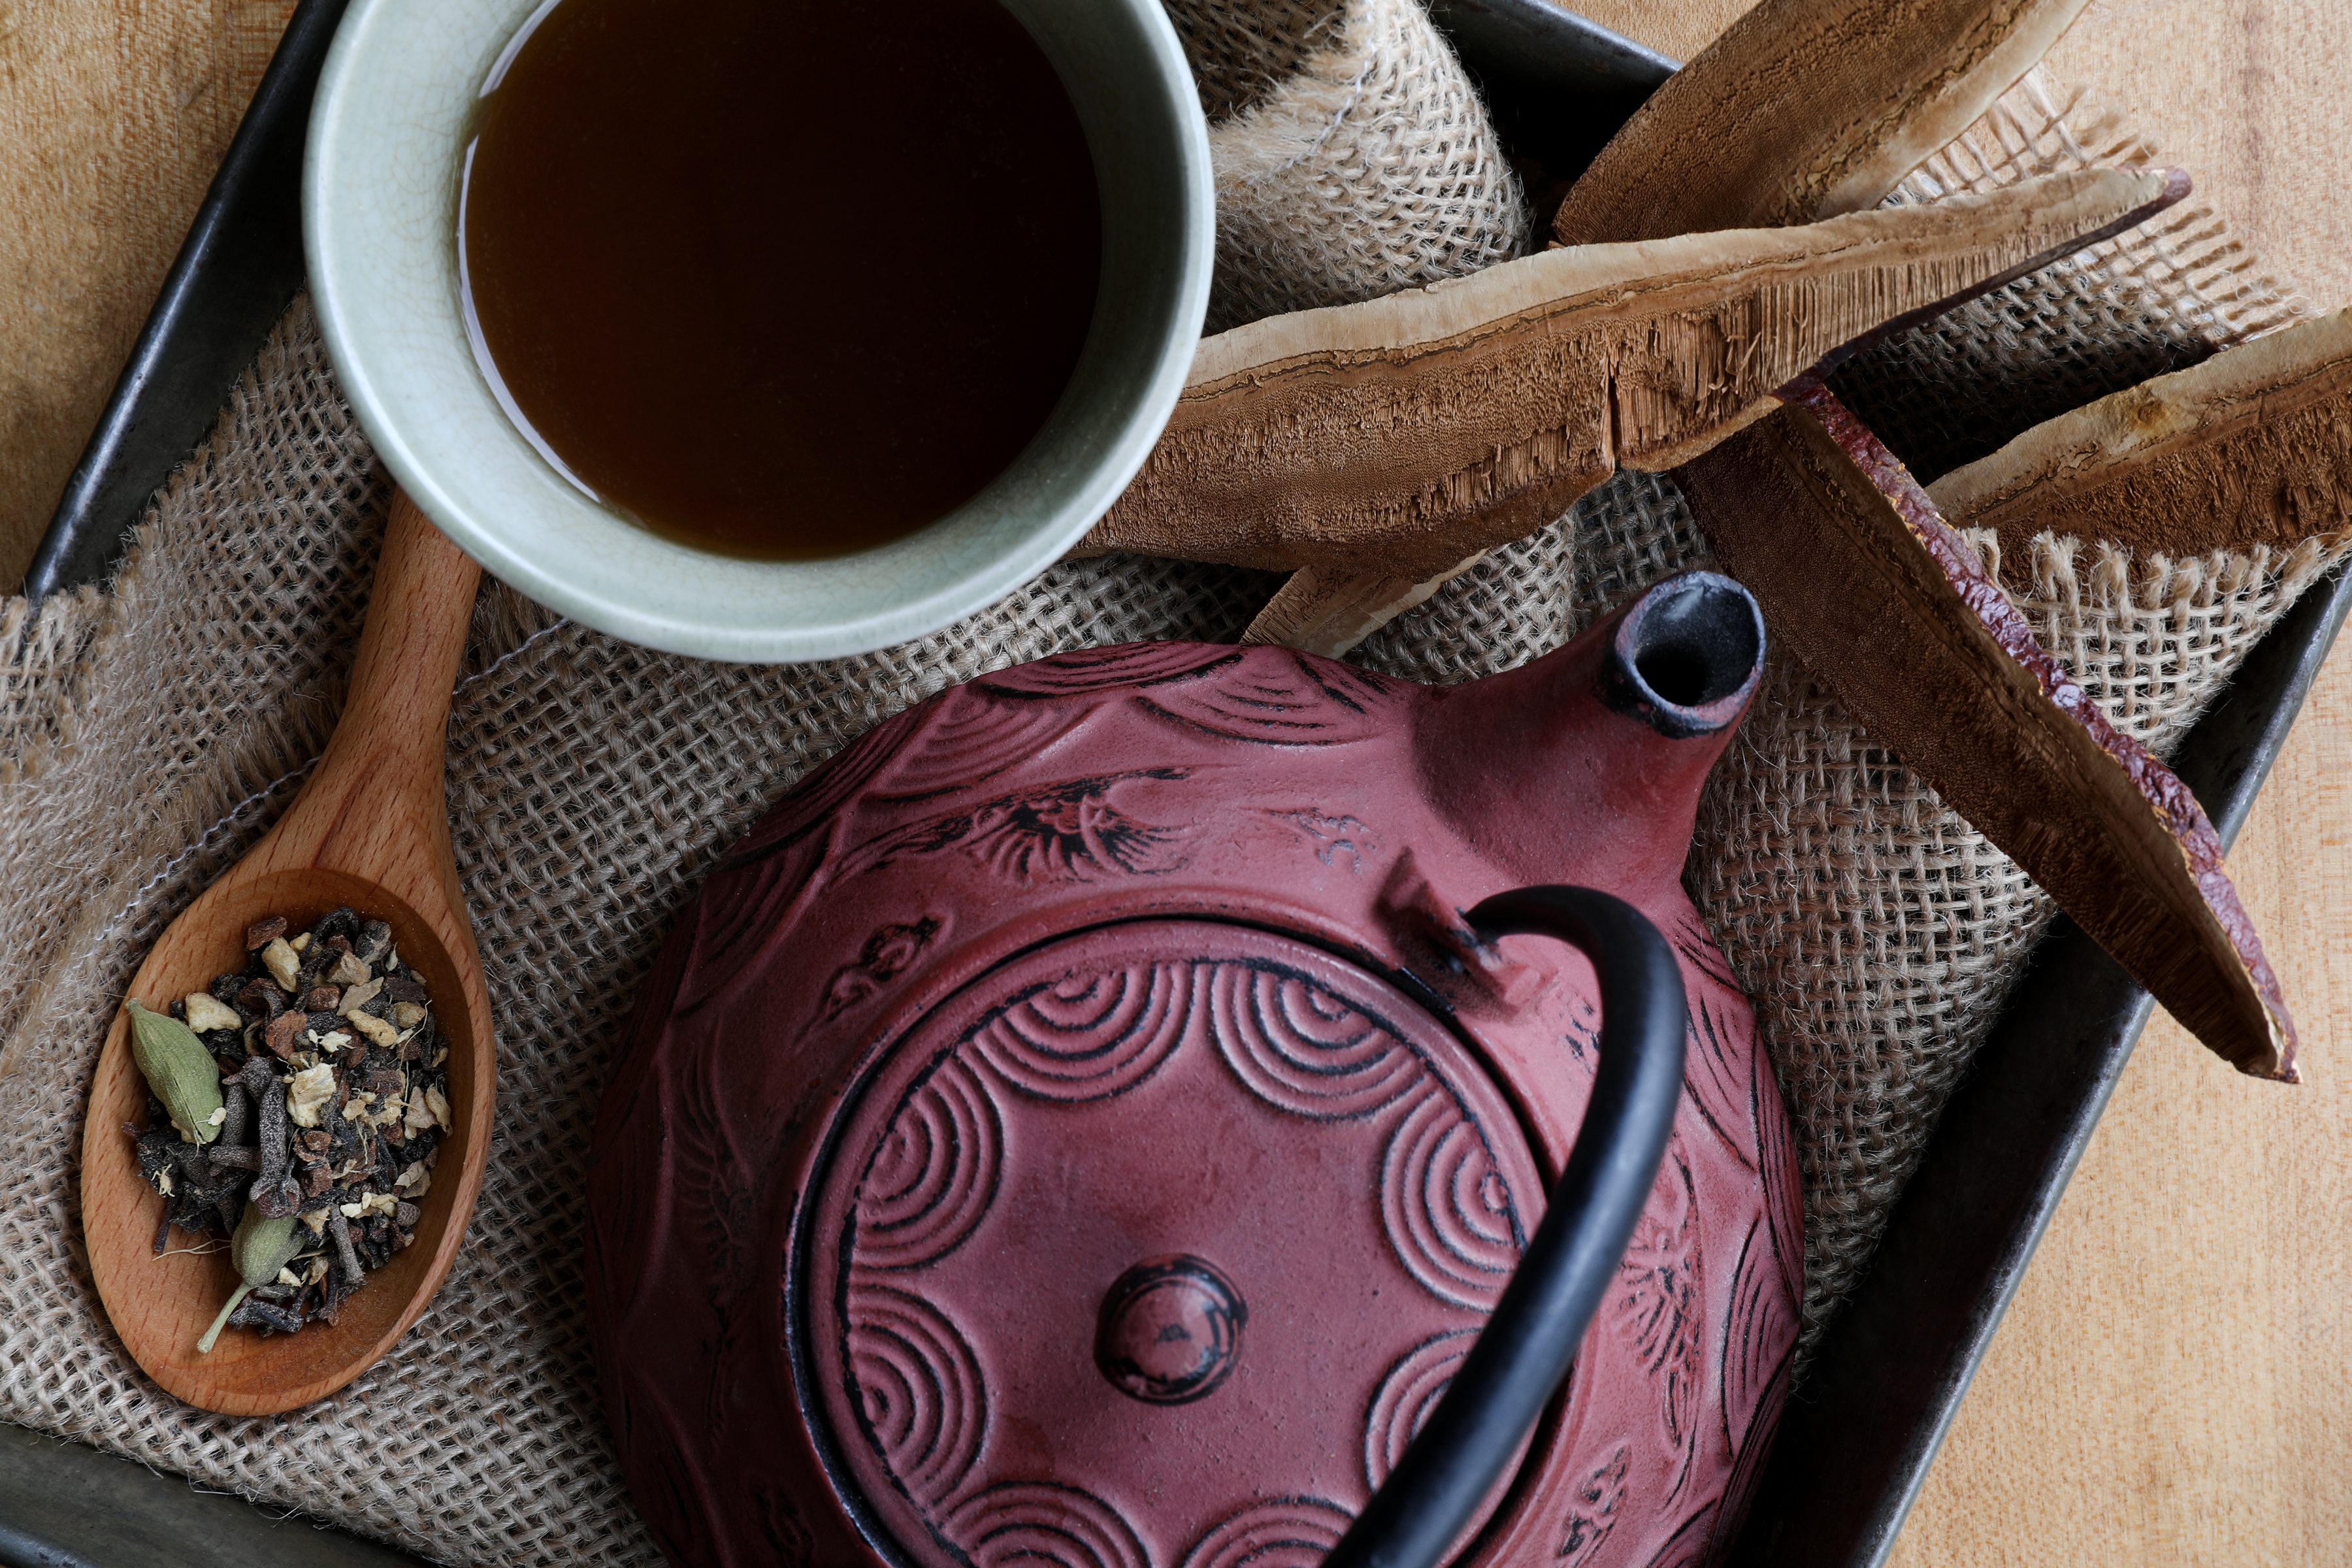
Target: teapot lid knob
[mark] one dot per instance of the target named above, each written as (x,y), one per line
(1169,1330)
(1144,1241)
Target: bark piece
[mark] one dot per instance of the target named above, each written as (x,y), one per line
(2251,446)
(1800,111)
(1327,611)
(1805,109)
(1413,431)
(1887,604)
(1806,106)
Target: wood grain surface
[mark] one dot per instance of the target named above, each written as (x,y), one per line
(2174,1383)
(113,115)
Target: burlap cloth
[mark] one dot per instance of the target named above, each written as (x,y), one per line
(150,734)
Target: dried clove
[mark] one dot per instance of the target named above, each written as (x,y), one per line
(238,1104)
(266,1192)
(339,1228)
(257,1078)
(374,941)
(256,1313)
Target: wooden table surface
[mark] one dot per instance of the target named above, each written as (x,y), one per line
(2174,1383)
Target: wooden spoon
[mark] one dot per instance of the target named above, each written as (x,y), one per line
(371,830)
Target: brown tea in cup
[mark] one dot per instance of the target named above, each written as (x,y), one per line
(779,279)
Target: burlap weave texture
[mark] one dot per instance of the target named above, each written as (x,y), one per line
(1352,158)
(2155,300)
(148,736)
(1876,933)
(591,782)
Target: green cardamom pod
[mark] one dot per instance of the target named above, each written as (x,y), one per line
(180,1070)
(258,1250)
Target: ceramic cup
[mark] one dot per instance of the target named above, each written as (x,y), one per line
(388,136)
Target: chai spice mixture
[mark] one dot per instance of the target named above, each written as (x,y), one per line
(296,1108)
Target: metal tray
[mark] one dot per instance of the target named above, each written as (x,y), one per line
(1891,1373)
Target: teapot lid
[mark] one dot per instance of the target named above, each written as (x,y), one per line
(1153,1246)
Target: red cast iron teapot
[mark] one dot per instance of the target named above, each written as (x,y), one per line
(1103,1116)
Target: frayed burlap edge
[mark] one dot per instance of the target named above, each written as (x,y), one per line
(153,735)
(2157,298)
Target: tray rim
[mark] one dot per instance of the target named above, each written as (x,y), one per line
(1842,1477)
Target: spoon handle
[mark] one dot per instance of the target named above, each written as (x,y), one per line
(380,781)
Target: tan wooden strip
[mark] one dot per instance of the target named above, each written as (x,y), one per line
(113,115)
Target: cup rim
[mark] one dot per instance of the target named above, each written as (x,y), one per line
(535,530)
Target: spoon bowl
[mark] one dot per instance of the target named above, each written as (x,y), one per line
(371,831)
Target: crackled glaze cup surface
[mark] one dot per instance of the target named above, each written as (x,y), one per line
(388,139)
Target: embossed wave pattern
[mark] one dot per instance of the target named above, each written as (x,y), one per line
(932,1178)
(1088,1036)
(1274,697)
(1407,1395)
(1285,1533)
(1038,1524)
(920,1390)
(1303,1050)
(1449,1216)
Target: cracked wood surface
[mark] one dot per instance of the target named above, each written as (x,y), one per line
(2254,446)
(1421,428)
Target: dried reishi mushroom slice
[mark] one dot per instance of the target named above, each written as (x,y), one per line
(1758,129)
(1404,434)
(1327,610)
(1867,585)
(1800,111)
(2252,446)
(1805,109)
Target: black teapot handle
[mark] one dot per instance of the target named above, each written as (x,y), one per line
(1524,1351)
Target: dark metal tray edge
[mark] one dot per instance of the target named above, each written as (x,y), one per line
(63,1505)
(239,267)
(1895,1363)
(1863,1430)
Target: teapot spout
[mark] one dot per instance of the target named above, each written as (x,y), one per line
(1586,766)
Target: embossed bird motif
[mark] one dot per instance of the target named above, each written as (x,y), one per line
(1086,1123)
